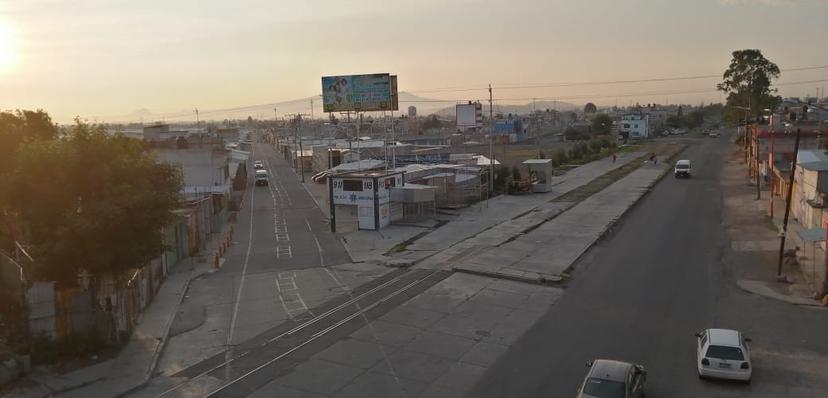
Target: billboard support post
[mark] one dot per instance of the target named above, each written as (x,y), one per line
(491,147)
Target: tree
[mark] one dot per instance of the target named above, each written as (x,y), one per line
(694,119)
(573,117)
(602,124)
(18,126)
(92,202)
(590,108)
(572,134)
(15,128)
(432,122)
(673,121)
(747,82)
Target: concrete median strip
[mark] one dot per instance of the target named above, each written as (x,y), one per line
(547,253)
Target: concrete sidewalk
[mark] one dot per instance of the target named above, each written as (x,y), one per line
(136,362)
(754,246)
(482,217)
(372,246)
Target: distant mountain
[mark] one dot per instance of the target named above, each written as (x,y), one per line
(425,106)
(524,109)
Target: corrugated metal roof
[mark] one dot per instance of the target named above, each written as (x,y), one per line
(815,166)
(811,155)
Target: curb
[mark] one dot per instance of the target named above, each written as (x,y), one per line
(348,250)
(799,302)
(518,276)
(153,366)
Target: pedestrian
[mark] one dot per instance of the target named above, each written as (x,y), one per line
(614,157)
(654,159)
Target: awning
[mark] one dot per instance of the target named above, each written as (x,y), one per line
(812,235)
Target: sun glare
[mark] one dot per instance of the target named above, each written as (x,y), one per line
(8,50)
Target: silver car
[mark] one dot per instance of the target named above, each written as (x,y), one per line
(613,379)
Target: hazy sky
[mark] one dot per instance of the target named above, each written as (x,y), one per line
(111,57)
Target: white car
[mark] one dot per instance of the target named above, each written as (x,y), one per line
(258,165)
(723,354)
(682,169)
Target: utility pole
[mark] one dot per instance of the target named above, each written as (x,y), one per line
(491,145)
(358,132)
(297,136)
(311,101)
(197,121)
(394,142)
(756,162)
(787,210)
(301,151)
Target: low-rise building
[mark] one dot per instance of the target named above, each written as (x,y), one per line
(634,126)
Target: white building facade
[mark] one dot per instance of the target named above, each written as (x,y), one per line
(635,126)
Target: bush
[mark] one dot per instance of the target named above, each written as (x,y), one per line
(516,173)
(559,158)
(572,134)
(596,145)
(47,351)
(500,177)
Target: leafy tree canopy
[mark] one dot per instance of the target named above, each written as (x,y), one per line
(91,201)
(747,82)
(602,124)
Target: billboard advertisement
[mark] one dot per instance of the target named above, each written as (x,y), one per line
(358,93)
(469,115)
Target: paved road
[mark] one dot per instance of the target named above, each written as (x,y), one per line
(283,262)
(641,294)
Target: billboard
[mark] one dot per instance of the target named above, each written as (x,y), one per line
(359,93)
(395,98)
(469,115)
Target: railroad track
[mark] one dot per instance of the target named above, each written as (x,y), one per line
(273,355)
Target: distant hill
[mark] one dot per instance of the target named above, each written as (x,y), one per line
(425,106)
(448,112)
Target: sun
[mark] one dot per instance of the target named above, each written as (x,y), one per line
(8,47)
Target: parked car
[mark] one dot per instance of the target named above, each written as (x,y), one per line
(613,379)
(682,168)
(713,134)
(258,165)
(723,354)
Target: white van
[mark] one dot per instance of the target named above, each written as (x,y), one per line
(682,168)
(261,177)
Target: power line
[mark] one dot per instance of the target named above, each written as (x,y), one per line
(645,94)
(514,86)
(520,86)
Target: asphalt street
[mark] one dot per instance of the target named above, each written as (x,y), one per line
(642,293)
(283,262)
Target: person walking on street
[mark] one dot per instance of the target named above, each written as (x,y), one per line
(614,157)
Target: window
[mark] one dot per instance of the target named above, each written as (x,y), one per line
(604,388)
(724,352)
(704,338)
(352,185)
